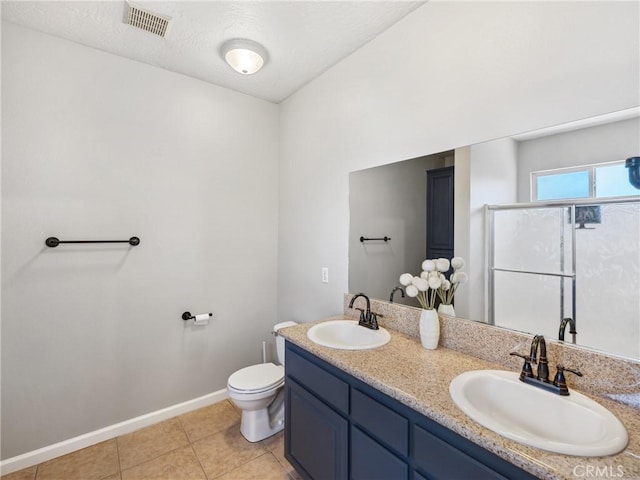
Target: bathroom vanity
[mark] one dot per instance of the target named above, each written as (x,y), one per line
(387,413)
(360,430)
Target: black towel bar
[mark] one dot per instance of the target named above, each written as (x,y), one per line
(363,239)
(54,241)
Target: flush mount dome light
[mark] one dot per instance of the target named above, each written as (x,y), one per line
(244,56)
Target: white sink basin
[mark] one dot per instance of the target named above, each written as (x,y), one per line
(347,335)
(571,425)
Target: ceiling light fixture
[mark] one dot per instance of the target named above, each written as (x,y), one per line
(244,56)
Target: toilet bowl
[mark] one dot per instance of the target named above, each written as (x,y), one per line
(258,391)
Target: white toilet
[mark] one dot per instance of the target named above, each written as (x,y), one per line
(258,391)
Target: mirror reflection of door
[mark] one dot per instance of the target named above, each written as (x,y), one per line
(440,216)
(440,185)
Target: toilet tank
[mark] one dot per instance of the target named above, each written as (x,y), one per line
(280,340)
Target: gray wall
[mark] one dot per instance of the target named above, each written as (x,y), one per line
(96,146)
(447,75)
(390,200)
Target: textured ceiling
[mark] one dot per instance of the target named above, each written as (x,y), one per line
(303,38)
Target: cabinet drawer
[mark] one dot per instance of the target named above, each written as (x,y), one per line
(372,461)
(329,388)
(380,421)
(441,461)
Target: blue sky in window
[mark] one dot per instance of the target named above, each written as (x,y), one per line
(563,185)
(613,181)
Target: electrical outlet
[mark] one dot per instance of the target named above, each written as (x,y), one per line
(325,275)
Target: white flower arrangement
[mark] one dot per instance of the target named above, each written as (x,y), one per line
(448,289)
(432,282)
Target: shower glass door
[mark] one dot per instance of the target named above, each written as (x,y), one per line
(576,260)
(531,267)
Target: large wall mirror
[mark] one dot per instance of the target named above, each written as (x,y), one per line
(547,222)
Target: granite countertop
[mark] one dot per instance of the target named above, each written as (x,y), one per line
(420,378)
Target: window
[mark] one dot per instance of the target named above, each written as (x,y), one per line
(564,185)
(613,181)
(590,181)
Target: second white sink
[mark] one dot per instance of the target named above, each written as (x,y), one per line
(347,335)
(572,425)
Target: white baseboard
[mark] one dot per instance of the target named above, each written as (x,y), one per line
(43,454)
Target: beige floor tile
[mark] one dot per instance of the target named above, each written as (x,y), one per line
(24,474)
(294,475)
(95,462)
(278,451)
(180,464)
(209,420)
(276,443)
(235,407)
(150,442)
(265,467)
(273,441)
(226,450)
(115,476)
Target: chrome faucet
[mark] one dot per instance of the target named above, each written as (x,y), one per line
(541,378)
(367,319)
(572,328)
(394,291)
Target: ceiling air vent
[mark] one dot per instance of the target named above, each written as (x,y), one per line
(141,18)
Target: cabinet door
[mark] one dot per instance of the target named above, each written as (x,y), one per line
(372,461)
(316,437)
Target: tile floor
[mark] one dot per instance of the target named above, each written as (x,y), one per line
(204,444)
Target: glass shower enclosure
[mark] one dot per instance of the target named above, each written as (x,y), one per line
(578,261)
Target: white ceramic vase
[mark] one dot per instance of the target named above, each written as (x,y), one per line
(446,310)
(429,329)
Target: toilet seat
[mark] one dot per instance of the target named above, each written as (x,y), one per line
(257,378)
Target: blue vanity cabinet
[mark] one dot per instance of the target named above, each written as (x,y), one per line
(370,460)
(317,445)
(338,427)
(316,419)
(379,440)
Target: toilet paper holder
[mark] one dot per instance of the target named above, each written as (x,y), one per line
(187,316)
